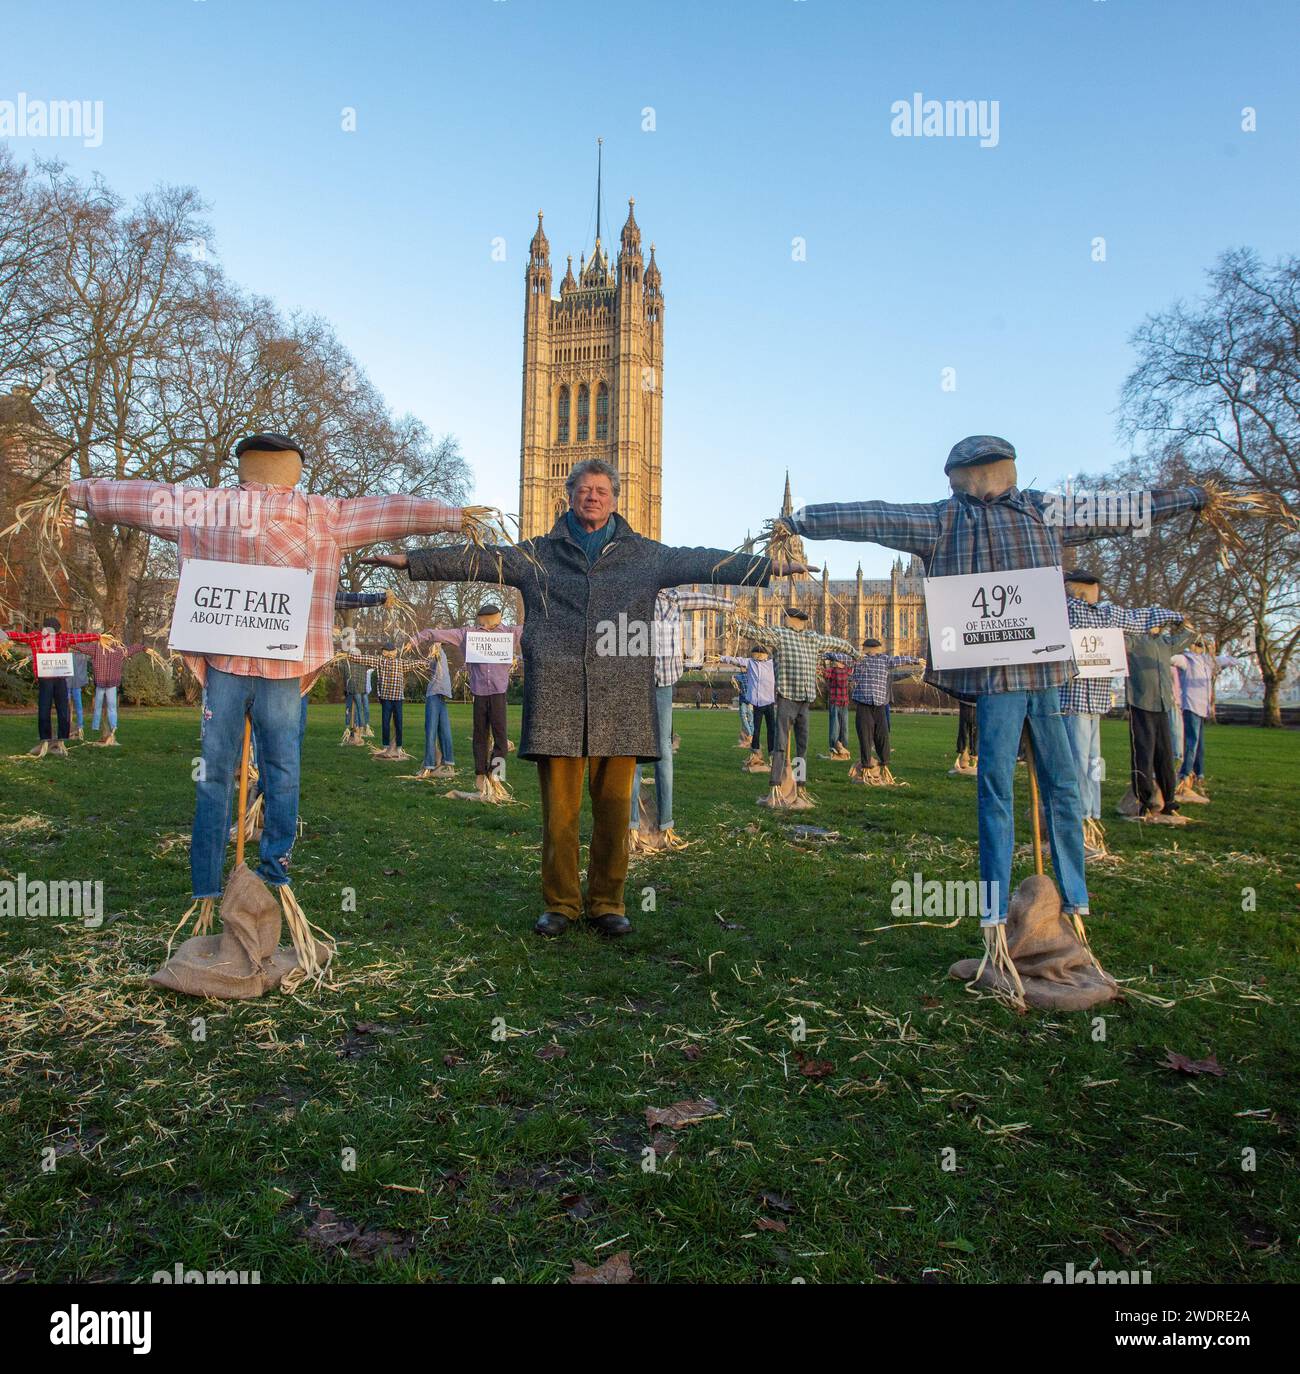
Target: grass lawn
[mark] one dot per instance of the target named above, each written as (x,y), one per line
(446,1154)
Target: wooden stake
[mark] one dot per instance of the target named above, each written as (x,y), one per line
(243,793)
(1032,764)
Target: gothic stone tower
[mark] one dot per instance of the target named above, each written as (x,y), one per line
(593,379)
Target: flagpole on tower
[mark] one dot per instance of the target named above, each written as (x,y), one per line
(599,160)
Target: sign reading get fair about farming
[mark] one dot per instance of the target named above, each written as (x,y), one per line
(1100,653)
(241,608)
(489,646)
(990,620)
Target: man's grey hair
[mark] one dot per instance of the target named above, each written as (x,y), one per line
(597,465)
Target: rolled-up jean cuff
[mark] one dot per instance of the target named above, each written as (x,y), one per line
(993,920)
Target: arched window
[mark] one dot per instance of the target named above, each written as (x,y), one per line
(562,427)
(584,413)
(602,412)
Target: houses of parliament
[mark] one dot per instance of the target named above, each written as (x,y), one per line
(593,388)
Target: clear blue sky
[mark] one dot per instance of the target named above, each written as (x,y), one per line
(1117,118)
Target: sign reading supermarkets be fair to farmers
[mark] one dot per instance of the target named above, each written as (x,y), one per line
(242,608)
(991,620)
(489,646)
(1100,653)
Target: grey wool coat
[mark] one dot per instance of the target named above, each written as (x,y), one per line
(578,701)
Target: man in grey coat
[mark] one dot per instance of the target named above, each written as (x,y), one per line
(589,589)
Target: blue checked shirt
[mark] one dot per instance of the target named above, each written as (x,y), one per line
(354,601)
(1090,696)
(796,653)
(670,653)
(872,677)
(966,535)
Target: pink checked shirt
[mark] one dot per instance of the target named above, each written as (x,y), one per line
(278,526)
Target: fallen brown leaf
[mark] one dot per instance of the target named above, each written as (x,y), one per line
(616,1269)
(681,1114)
(1181,1064)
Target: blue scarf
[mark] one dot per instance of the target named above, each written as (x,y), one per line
(590,541)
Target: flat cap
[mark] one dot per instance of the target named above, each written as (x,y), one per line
(1079,575)
(977,449)
(871,644)
(267,443)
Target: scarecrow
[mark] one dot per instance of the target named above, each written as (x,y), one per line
(265,520)
(760,687)
(797,650)
(108,656)
(655,833)
(51,649)
(870,685)
(989,525)
(1197,670)
(1152,795)
(835,674)
(489,651)
(392,668)
(355,677)
(1084,700)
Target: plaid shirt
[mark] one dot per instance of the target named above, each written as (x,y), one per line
(392,670)
(107,663)
(1090,696)
(279,526)
(48,642)
(796,653)
(837,682)
(872,677)
(355,601)
(670,655)
(965,535)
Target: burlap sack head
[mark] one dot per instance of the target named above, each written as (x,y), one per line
(1056,968)
(245,959)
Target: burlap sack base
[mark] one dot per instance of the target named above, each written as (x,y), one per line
(246,959)
(492,792)
(743,741)
(1185,792)
(788,796)
(1130,808)
(385,757)
(753,765)
(1055,967)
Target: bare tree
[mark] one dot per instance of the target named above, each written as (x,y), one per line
(1216,391)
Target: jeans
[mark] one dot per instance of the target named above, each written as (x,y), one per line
(839,726)
(365,709)
(105,701)
(746,719)
(1194,746)
(275,705)
(52,692)
(392,713)
(352,710)
(437,724)
(78,706)
(1085,745)
(1176,731)
(788,714)
(1002,716)
(663,766)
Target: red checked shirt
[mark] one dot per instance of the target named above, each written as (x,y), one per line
(47,642)
(837,683)
(276,526)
